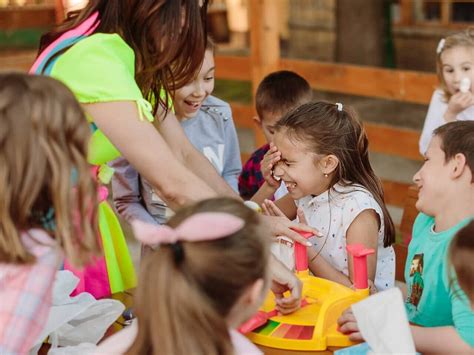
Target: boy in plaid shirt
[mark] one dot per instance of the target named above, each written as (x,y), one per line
(278,93)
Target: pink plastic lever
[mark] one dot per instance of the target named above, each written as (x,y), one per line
(301,254)
(359,254)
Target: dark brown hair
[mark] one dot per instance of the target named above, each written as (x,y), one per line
(457,137)
(43,168)
(460,39)
(461,256)
(181,306)
(330,131)
(167,53)
(280,92)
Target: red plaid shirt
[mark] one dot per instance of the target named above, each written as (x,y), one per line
(25,294)
(251,177)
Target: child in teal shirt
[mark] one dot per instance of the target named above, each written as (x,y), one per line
(441,316)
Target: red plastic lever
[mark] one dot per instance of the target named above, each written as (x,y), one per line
(301,253)
(359,254)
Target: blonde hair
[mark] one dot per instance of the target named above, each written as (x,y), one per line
(460,39)
(43,140)
(181,305)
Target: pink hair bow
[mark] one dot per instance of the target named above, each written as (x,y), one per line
(199,227)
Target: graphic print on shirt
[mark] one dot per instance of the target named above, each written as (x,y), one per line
(416,272)
(216,159)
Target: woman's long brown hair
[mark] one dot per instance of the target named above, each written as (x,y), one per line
(43,168)
(330,131)
(182,305)
(167,36)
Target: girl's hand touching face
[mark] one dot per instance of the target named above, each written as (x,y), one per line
(269,161)
(458,103)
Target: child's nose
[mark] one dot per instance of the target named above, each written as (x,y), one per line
(198,89)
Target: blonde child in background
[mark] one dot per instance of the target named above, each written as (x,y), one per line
(461,256)
(278,93)
(47,199)
(441,319)
(209,275)
(325,167)
(207,122)
(454,100)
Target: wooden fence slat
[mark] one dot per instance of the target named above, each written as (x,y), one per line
(365,81)
(233,68)
(242,115)
(395,192)
(400,85)
(393,141)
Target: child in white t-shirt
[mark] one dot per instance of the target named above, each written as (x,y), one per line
(454,100)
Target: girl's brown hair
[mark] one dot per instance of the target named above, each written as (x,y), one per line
(330,131)
(461,256)
(182,304)
(168,50)
(43,140)
(460,39)
(457,137)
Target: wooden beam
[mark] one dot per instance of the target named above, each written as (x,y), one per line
(406,12)
(399,85)
(400,142)
(395,192)
(407,86)
(233,68)
(264,44)
(242,115)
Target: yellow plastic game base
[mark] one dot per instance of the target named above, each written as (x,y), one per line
(313,327)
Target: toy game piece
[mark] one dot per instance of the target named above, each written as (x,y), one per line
(262,318)
(465,85)
(314,327)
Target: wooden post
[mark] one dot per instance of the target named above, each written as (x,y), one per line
(59,11)
(406,12)
(264,45)
(445,12)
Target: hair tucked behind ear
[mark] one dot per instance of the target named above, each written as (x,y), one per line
(43,140)
(182,306)
(330,131)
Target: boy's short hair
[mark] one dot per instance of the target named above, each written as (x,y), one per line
(280,92)
(457,137)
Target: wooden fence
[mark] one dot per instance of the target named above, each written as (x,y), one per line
(399,85)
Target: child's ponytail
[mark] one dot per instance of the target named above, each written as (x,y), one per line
(174,316)
(187,289)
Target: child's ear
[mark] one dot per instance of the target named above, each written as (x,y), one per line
(257,121)
(458,164)
(329,163)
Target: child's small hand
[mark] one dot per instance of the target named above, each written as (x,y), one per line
(458,103)
(281,225)
(271,158)
(347,324)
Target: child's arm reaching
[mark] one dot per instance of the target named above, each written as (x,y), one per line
(363,230)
